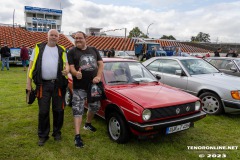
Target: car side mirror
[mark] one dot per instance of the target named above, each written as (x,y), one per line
(158,77)
(178,72)
(233,69)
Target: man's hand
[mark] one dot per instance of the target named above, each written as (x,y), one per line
(65,71)
(29,87)
(96,79)
(79,74)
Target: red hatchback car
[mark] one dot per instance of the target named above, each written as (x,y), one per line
(138,103)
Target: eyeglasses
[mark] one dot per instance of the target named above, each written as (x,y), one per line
(79,38)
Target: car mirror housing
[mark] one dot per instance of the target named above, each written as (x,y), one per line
(178,72)
(158,77)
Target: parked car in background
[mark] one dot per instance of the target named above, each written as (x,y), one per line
(124,55)
(219,92)
(198,55)
(137,103)
(228,65)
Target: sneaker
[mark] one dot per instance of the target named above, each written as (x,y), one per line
(78,141)
(42,141)
(88,126)
(58,138)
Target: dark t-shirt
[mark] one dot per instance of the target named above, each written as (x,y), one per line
(87,60)
(216,54)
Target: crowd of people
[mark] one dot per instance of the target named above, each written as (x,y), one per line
(5,53)
(109,52)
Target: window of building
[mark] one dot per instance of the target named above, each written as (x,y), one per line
(40,16)
(47,16)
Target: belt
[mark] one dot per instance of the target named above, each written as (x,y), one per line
(51,80)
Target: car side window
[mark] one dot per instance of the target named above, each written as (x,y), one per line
(224,64)
(229,65)
(170,66)
(154,66)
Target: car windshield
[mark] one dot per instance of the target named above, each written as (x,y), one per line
(198,66)
(126,72)
(238,62)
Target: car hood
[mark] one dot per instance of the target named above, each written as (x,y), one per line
(220,79)
(156,96)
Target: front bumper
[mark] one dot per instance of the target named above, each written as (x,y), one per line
(231,107)
(159,125)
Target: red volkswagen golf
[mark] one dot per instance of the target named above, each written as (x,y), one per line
(138,103)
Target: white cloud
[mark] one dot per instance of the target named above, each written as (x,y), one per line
(220,20)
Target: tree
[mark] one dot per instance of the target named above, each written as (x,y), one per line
(168,37)
(135,32)
(201,37)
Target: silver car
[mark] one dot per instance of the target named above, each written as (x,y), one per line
(124,55)
(228,65)
(219,92)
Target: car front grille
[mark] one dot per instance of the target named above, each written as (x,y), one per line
(172,111)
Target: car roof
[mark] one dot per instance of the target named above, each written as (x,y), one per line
(117,60)
(223,58)
(174,57)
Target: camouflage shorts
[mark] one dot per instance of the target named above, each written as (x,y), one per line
(78,102)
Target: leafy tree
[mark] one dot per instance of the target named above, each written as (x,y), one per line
(168,37)
(201,37)
(135,32)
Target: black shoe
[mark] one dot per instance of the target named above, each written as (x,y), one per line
(42,141)
(58,138)
(78,141)
(88,126)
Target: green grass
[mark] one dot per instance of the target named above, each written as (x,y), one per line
(18,130)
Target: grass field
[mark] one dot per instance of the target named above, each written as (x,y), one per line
(18,130)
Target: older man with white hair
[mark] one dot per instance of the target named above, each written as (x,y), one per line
(48,69)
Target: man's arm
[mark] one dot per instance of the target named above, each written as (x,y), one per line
(29,80)
(97,79)
(75,73)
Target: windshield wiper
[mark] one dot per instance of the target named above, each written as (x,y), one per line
(116,81)
(145,81)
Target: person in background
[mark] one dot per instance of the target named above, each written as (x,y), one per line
(24,57)
(230,53)
(86,66)
(177,52)
(112,52)
(217,52)
(5,59)
(48,69)
(235,54)
(207,55)
(143,52)
(153,52)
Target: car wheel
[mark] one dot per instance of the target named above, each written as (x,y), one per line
(117,128)
(211,103)
(68,97)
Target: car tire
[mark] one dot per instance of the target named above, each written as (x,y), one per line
(211,103)
(117,128)
(68,97)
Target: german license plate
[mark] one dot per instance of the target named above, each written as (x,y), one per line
(177,128)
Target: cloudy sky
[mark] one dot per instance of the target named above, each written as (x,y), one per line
(180,18)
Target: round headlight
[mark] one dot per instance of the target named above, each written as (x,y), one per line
(197,105)
(146,115)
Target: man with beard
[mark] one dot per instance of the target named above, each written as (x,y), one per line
(86,66)
(48,69)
